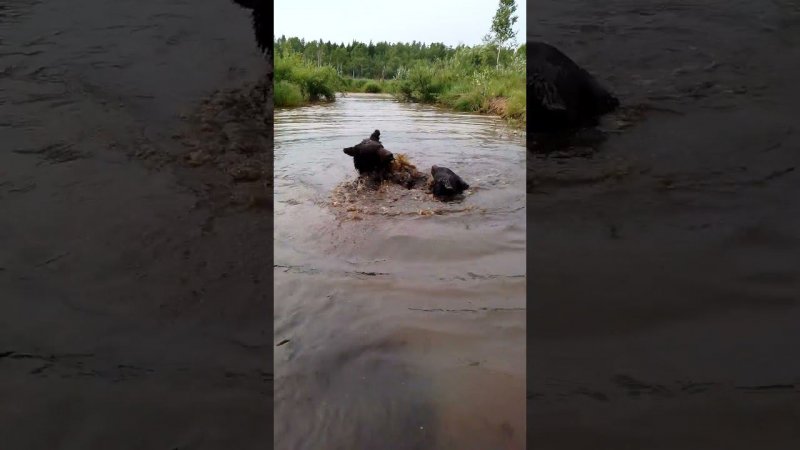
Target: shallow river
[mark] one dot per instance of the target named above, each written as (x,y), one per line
(666,266)
(405,325)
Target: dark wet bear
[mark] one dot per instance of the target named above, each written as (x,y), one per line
(446,183)
(565,96)
(370,157)
(375,136)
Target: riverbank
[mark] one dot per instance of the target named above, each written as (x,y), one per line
(462,82)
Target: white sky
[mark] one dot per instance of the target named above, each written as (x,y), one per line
(448,21)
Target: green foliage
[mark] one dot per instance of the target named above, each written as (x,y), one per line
(469,81)
(355,84)
(294,74)
(373,88)
(503,22)
(318,82)
(420,84)
(502,29)
(369,86)
(288,94)
(484,78)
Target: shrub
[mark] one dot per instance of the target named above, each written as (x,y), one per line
(372,88)
(292,73)
(288,94)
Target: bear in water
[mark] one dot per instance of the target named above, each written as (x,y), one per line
(374,137)
(565,96)
(370,156)
(446,183)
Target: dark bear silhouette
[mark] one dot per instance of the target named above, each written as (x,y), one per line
(446,183)
(565,96)
(262,16)
(374,137)
(369,156)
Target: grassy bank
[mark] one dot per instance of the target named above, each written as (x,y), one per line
(465,82)
(468,80)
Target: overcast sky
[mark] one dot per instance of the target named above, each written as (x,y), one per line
(448,21)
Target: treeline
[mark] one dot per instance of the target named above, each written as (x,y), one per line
(384,60)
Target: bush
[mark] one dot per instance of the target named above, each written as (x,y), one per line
(372,88)
(470,82)
(355,84)
(292,73)
(322,82)
(288,94)
(471,101)
(390,86)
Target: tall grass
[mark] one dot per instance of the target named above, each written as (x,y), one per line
(369,86)
(468,80)
(298,82)
(466,83)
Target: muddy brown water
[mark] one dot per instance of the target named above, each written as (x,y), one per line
(405,329)
(666,265)
(131,316)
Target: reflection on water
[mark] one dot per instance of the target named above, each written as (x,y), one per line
(672,254)
(404,330)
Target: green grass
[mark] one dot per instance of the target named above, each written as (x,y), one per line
(299,82)
(458,86)
(364,85)
(373,88)
(288,94)
(467,81)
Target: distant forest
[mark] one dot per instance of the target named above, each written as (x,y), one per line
(383,60)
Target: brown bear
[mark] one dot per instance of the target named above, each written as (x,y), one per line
(369,156)
(446,183)
(565,96)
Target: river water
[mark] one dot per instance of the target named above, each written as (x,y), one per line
(666,265)
(131,316)
(405,316)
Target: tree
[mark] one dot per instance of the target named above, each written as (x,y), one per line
(502,31)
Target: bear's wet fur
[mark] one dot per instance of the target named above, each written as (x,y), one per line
(446,183)
(375,136)
(565,96)
(370,157)
(375,165)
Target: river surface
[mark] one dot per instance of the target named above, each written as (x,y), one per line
(131,316)
(405,324)
(666,266)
